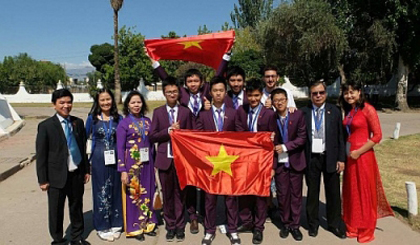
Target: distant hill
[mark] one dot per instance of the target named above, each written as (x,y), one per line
(79,73)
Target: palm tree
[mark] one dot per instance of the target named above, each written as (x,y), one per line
(116,5)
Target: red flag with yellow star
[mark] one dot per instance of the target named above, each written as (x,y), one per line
(207,49)
(224,163)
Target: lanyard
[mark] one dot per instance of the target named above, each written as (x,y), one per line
(318,123)
(350,120)
(141,129)
(216,120)
(283,129)
(108,131)
(253,119)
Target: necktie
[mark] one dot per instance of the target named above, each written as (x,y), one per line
(282,121)
(72,143)
(251,123)
(319,134)
(195,106)
(235,102)
(219,120)
(172,117)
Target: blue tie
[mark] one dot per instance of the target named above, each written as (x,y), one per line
(235,101)
(219,120)
(196,105)
(72,143)
(251,123)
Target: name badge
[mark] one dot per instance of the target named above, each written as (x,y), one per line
(144,154)
(109,157)
(348,145)
(317,146)
(170,151)
(283,157)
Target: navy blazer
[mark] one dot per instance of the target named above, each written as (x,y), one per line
(334,136)
(52,152)
(296,131)
(159,133)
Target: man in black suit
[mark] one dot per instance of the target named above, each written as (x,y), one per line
(325,153)
(62,166)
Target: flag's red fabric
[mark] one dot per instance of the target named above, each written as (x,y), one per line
(251,156)
(207,49)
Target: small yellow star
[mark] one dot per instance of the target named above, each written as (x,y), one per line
(188,44)
(222,161)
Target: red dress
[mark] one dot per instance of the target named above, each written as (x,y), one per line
(364,199)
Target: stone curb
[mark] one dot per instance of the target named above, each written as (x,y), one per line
(23,163)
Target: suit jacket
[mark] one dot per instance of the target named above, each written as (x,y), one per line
(52,152)
(205,120)
(266,122)
(334,136)
(229,101)
(159,132)
(296,131)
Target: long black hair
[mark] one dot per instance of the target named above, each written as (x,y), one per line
(95,111)
(144,109)
(355,86)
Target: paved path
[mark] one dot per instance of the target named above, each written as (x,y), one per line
(24,207)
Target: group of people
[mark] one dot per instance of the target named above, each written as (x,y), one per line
(308,142)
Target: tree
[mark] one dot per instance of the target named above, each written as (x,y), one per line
(116,6)
(100,55)
(303,40)
(250,60)
(250,12)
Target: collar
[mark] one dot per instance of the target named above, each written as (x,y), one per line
(316,107)
(60,118)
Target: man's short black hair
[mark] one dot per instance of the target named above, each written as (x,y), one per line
(235,71)
(278,91)
(270,68)
(217,80)
(169,81)
(59,93)
(254,84)
(192,72)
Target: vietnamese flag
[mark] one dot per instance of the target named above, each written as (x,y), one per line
(224,163)
(207,49)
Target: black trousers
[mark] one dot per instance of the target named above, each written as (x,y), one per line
(332,193)
(73,190)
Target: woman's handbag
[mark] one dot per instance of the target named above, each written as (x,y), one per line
(158,197)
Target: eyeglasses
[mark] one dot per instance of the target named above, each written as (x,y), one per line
(171,92)
(279,101)
(318,93)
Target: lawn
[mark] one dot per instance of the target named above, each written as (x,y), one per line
(399,162)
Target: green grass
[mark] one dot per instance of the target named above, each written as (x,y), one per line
(398,162)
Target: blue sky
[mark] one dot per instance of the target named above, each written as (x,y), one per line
(63,31)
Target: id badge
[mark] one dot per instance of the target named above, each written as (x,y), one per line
(317,146)
(283,157)
(170,151)
(109,157)
(144,154)
(348,145)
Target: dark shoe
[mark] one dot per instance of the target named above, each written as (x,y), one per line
(208,238)
(170,235)
(62,241)
(81,242)
(257,237)
(337,232)
(313,232)
(284,232)
(180,236)
(152,233)
(140,237)
(234,238)
(296,234)
(194,226)
(245,229)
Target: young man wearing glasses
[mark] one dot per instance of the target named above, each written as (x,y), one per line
(271,78)
(325,153)
(167,118)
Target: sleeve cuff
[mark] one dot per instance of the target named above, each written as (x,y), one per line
(284,148)
(155,64)
(226,57)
